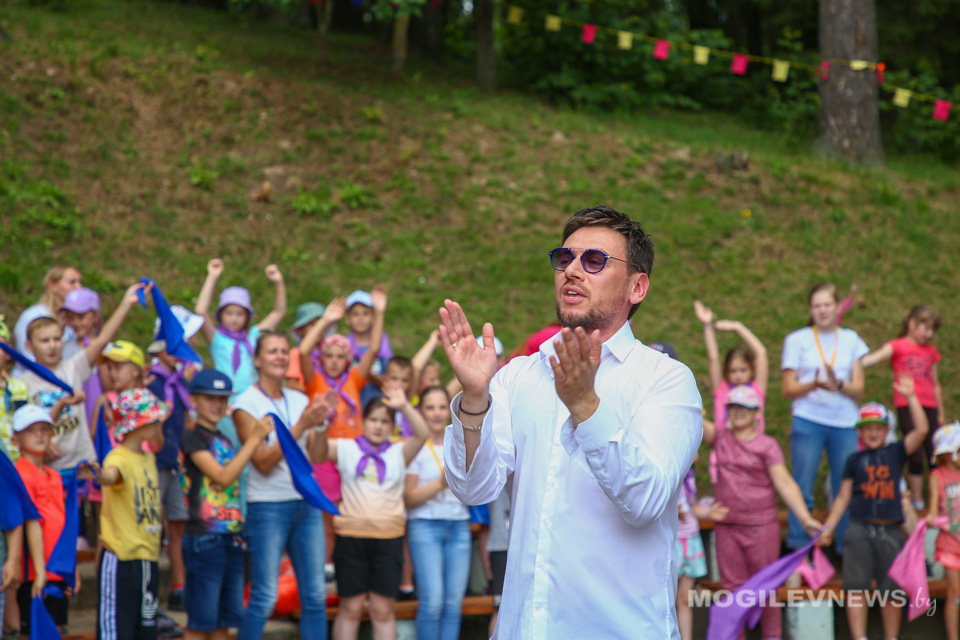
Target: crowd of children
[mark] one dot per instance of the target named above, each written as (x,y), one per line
(197,458)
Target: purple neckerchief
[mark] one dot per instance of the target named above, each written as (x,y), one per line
(690,485)
(337,385)
(375,453)
(317,359)
(172,386)
(239,338)
(382,350)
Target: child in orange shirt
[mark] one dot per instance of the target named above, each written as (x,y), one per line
(336,355)
(33,431)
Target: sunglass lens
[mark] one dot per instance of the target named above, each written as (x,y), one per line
(561,258)
(593,260)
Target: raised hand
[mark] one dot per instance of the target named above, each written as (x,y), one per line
(393,395)
(727,325)
(704,314)
(130,296)
(474,366)
(904,385)
(215,267)
(319,410)
(574,370)
(335,310)
(273,273)
(379,298)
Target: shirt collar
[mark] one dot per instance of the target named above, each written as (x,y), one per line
(618,345)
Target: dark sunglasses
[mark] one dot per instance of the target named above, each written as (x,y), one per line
(592,260)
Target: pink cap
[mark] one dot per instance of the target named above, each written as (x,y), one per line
(744,396)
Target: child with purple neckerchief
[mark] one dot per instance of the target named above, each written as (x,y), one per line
(359,318)
(229,332)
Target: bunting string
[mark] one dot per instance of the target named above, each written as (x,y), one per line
(739,61)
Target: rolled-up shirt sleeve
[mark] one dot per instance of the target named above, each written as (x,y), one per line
(495,457)
(640,465)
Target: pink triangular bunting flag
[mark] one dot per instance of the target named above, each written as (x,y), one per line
(941,110)
(820,573)
(589,34)
(661,50)
(739,65)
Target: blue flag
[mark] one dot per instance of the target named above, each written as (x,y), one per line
(63,559)
(35,367)
(301,471)
(15,504)
(42,626)
(102,440)
(170,330)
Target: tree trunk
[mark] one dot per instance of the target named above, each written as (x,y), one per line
(431,19)
(400,26)
(486,54)
(849,115)
(324,18)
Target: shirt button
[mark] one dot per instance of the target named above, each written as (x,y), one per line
(539,607)
(541,564)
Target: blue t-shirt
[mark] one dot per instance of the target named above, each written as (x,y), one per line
(168,457)
(221,350)
(876,482)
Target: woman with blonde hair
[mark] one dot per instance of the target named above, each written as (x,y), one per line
(59,280)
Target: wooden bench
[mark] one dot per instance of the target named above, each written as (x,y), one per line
(938,589)
(407,609)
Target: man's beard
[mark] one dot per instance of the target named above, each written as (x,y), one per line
(590,321)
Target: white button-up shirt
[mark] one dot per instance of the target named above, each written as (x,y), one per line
(594,509)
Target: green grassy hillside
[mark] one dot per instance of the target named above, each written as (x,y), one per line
(134,136)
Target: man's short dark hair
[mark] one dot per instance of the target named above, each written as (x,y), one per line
(639,244)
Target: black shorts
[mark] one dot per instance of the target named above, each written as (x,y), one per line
(868,552)
(368,564)
(128,601)
(498,566)
(56,607)
(916,459)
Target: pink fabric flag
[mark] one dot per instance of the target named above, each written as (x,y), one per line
(820,573)
(589,34)
(909,570)
(726,622)
(941,110)
(661,50)
(739,65)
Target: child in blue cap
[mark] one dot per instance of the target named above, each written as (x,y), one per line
(212,547)
(229,333)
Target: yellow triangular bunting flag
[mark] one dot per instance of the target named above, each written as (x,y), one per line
(701,55)
(901,97)
(781,69)
(515,15)
(624,39)
(859,65)
(553,23)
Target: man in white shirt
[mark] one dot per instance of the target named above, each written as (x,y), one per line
(597,431)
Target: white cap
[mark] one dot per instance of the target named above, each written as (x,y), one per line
(29,414)
(497,345)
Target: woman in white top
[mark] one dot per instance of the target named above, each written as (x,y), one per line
(823,376)
(278,517)
(438,530)
(368,554)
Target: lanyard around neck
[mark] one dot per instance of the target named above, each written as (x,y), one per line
(436,458)
(836,343)
(286,413)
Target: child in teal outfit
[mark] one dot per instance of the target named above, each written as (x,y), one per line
(229,333)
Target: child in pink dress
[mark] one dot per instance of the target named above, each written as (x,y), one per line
(742,365)
(750,475)
(945,500)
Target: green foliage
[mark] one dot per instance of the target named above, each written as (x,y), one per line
(356,196)
(913,129)
(202,175)
(314,203)
(385,10)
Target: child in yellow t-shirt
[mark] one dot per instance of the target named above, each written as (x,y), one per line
(130,522)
